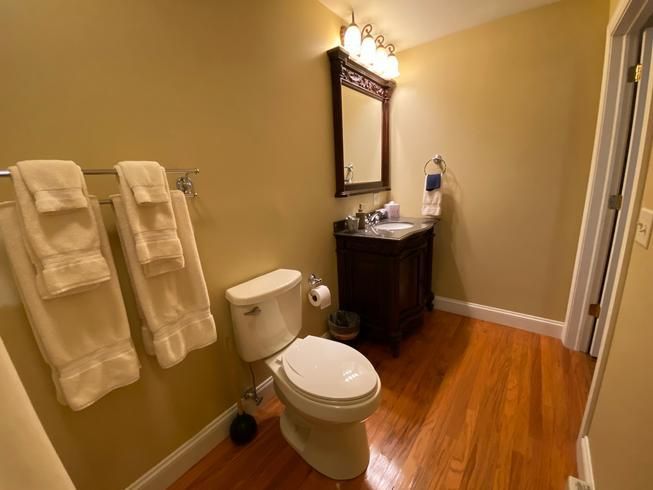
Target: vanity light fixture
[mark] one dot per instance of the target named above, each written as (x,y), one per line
(370,51)
(380,56)
(352,37)
(392,63)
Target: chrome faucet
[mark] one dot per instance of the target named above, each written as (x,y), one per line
(374,218)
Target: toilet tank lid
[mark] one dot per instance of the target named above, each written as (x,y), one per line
(263,287)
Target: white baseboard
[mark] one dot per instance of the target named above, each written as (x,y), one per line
(530,323)
(584,460)
(168,470)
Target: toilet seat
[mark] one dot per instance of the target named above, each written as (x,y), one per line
(327,370)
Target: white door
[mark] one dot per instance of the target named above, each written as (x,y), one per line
(622,184)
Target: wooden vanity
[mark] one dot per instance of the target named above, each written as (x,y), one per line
(385,277)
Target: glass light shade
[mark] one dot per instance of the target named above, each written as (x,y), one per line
(391,67)
(352,39)
(368,49)
(380,59)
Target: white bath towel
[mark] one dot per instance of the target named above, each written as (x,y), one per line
(55,185)
(431,202)
(64,247)
(154,228)
(175,306)
(27,458)
(147,181)
(83,337)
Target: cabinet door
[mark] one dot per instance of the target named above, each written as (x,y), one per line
(369,286)
(410,281)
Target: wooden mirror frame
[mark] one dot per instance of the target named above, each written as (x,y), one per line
(345,71)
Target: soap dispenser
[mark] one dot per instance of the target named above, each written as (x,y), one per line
(361,215)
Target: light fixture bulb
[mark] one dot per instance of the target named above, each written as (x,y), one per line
(352,37)
(380,56)
(391,64)
(368,46)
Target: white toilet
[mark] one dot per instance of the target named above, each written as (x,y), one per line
(328,388)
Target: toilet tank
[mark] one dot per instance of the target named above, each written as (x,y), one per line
(266,313)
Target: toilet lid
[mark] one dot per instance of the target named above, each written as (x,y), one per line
(328,370)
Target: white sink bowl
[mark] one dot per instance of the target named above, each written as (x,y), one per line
(397,225)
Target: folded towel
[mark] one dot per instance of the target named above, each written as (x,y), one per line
(174,307)
(433,181)
(147,181)
(55,185)
(154,229)
(64,247)
(24,440)
(83,337)
(431,201)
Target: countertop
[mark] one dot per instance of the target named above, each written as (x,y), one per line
(420,224)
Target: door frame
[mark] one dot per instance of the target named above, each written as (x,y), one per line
(613,124)
(623,35)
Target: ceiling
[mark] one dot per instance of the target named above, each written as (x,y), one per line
(407,23)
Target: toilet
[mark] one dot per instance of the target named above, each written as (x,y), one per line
(328,389)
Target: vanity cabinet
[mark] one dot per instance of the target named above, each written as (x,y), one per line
(386,281)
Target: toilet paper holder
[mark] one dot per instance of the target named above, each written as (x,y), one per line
(314,281)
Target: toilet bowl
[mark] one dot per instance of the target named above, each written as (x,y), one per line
(328,389)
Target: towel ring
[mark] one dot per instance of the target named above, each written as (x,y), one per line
(437,160)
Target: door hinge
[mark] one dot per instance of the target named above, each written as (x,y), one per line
(635,73)
(615,201)
(594,310)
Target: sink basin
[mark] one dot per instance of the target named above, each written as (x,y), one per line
(394,226)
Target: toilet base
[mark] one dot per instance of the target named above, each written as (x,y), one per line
(339,451)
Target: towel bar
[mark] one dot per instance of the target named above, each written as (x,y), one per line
(183,183)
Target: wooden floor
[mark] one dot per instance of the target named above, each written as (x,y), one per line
(468,405)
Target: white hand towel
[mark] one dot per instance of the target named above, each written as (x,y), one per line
(64,247)
(431,202)
(147,181)
(55,185)
(27,458)
(83,337)
(175,306)
(158,248)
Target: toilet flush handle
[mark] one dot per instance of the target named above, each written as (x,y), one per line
(254,311)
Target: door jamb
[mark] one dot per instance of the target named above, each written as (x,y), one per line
(622,51)
(624,31)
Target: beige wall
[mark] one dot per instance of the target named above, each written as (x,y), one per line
(620,432)
(512,107)
(239,89)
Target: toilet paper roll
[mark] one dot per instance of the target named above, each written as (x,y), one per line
(320,296)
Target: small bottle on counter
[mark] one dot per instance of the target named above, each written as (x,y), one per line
(361,215)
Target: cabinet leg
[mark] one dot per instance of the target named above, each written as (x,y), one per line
(429,303)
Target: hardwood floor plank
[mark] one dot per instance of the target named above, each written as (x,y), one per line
(468,405)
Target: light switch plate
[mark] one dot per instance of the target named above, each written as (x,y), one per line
(644,225)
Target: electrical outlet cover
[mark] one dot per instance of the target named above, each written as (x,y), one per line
(644,225)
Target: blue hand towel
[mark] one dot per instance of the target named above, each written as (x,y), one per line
(433,181)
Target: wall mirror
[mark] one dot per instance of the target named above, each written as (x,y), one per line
(361,126)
